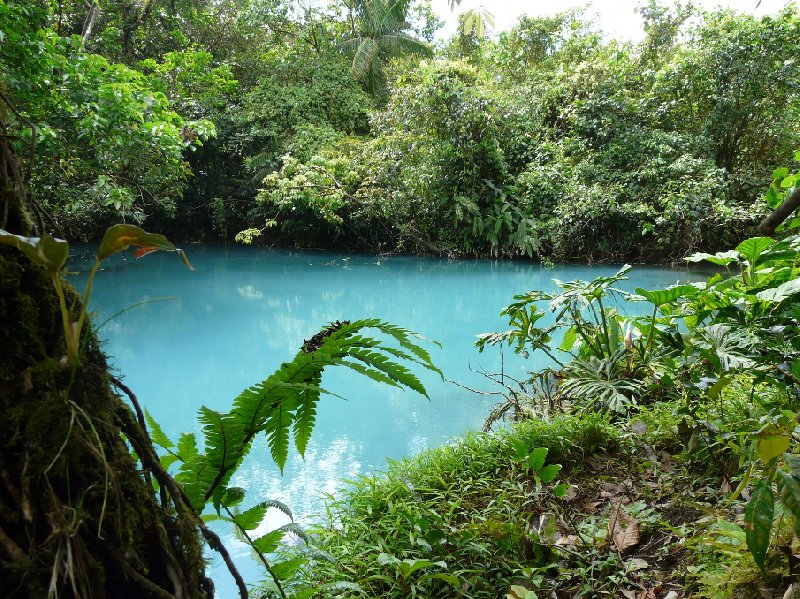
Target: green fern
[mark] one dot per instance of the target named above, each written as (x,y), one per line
(285,404)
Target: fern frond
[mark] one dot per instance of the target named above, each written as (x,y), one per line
(287,401)
(156,432)
(277,430)
(279,505)
(393,370)
(305,418)
(375,375)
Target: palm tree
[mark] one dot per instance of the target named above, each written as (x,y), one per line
(475,19)
(381,36)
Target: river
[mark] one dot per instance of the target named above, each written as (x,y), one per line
(183,339)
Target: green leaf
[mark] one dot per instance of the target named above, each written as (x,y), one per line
(277,431)
(789,181)
(49,252)
(120,237)
(168,460)
(156,433)
(660,297)
(793,462)
(569,339)
(475,21)
(269,542)
(232,496)
(715,389)
(286,569)
(187,446)
(537,457)
(519,592)
(520,450)
(758,521)
(780,173)
(419,564)
(752,248)
(773,198)
(781,292)
(720,258)
(341,585)
(306,416)
(250,519)
(771,446)
(789,490)
(279,505)
(560,490)
(548,473)
(386,559)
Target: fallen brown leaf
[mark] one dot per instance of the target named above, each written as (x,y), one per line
(623,529)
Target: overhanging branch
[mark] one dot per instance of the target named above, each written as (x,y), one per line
(781,213)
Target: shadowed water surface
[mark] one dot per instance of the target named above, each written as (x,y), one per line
(243,311)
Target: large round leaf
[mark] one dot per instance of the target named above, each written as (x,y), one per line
(45,251)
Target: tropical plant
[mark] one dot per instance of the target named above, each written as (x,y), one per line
(466,513)
(52,253)
(282,407)
(475,20)
(736,330)
(381,36)
(605,357)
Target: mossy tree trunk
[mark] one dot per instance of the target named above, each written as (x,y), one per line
(81,513)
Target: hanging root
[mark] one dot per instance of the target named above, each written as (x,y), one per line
(180,502)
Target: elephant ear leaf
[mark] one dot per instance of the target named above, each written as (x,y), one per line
(49,252)
(660,297)
(121,237)
(752,248)
(720,258)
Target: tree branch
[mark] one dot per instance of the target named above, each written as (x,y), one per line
(781,213)
(91,19)
(32,149)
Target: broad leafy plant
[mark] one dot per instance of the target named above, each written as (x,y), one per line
(605,359)
(737,329)
(51,254)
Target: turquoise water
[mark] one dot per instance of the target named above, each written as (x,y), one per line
(243,311)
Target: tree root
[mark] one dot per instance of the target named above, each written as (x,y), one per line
(183,507)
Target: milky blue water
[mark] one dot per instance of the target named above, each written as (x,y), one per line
(243,311)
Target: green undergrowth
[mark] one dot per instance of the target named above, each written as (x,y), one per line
(634,515)
(464,507)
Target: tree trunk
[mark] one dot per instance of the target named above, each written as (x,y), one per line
(79,517)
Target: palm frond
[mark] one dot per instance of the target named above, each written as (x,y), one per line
(476,20)
(365,57)
(400,44)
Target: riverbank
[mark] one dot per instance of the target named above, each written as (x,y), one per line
(639,516)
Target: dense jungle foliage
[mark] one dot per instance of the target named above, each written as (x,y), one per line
(345,126)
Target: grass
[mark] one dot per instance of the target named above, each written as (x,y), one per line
(470,520)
